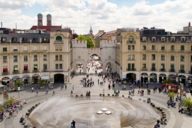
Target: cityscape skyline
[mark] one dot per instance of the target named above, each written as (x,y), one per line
(100,14)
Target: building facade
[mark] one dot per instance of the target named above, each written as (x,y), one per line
(146,55)
(34,56)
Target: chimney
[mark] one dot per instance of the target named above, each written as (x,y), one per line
(49,20)
(189,24)
(39,19)
(1,24)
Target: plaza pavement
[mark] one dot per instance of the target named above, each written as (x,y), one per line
(177,120)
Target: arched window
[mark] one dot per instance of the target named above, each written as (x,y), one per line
(131,40)
(59,39)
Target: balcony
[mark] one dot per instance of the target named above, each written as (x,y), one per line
(172,70)
(144,69)
(15,72)
(132,69)
(25,71)
(181,71)
(5,73)
(153,69)
(35,70)
(162,70)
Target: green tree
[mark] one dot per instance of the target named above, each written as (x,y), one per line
(88,39)
(1,108)
(9,102)
(187,102)
(18,83)
(171,95)
(42,82)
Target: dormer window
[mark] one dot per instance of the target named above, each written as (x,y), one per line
(162,39)
(172,39)
(153,39)
(144,39)
(59,39)
(131,40)
(183,39)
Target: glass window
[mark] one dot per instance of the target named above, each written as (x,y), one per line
(60,66)
(45,57)
(182,58)
(144,47)
(182,47)
(172,58)
(4,59)
(172,47)
(60,57)
(4,49)
(129,47)
(162,57)
(153,47)
(59,38)
(162,48)
(45,67)
(25,58)
(56,57)
(15,59)
(144,57)
(35,58)
(153,56)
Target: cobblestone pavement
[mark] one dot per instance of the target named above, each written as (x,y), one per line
(177,120)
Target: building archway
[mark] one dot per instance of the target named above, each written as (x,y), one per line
(94,66)
(153,77)
(5,80)
(35,78)
(172,78)
(182,79)
(162,78)
(131,77)
(59,79)
(108,67)
(144,77)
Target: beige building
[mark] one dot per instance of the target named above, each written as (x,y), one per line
(147,56)
(33,56)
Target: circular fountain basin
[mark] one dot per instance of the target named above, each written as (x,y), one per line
(58,112)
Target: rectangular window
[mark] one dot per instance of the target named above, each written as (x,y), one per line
(45,57)
(44,67)
(15,50)
(182,58)
(162,48)
(60,66)
(15,68)
(35,67)
(153,56)
(133,47)
(172,68)
(15,59)
(172,58)
(4,49)
(60,57)
(172,47)
(56,66)
(129,67)
(153,68)
(144,57)
(144,66)
(35,58)
(162,57)
(129,47)
(153,47)
(25,58)
(144,47)
(4,59)
(56,57)
(182,47)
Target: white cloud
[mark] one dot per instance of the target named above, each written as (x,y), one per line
(101,14)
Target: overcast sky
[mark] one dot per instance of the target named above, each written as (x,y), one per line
(100,14)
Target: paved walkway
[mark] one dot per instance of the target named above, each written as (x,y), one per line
(177,120)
